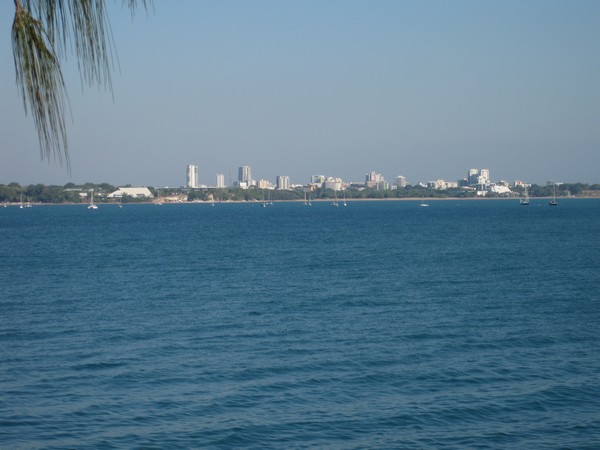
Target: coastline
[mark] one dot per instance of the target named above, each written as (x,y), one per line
(319,200)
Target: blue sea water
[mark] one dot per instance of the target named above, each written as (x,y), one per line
(468,324)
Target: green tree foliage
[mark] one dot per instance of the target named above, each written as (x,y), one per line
(43,32)
(70,193)
(197,194)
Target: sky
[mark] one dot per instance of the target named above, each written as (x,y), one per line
(424,89)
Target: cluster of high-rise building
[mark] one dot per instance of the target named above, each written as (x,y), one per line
(477,179)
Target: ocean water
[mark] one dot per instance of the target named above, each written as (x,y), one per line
(468,324)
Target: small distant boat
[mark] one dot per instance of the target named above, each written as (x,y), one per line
(525,200)
(423,203)
(92,205)
(553,202)
(158,201)
(307,200)
(264,203)
(345,204)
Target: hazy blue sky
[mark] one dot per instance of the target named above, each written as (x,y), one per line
(424,89)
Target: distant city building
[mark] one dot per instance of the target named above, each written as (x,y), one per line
(192,176)
(317,179)
(244,174)
(484,178)
(400,181)
(264,184)
(220,181)
(374,180)
(500,189)
(333,183)
(437,184)
(472,177)
(442,184)
(135,192)
(283,182)
(479,178)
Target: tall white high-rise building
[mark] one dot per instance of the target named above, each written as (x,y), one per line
(191,176)
(220,181)
(484,176)
(283,182)
(400,181)
(244,174)
(479,178)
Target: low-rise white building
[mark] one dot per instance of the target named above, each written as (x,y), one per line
(264,184)
(135,192)
(500,189)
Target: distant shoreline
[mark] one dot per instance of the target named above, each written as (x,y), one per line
(319,200)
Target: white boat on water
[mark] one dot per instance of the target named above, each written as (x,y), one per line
(525,200)
(307,200)
(553,202)
(158,201)
(92,205)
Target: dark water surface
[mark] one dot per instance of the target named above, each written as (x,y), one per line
(468,324)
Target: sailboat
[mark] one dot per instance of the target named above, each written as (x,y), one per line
(345,204)
(423,203)
(158,201)
(553,202)
(307,200)
(335,203)
(264,202)
(525,200)
(92,205)
(21,201)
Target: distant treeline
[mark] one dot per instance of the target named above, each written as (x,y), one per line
(72,193)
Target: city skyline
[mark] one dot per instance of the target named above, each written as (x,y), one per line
(417,89)
(372,180)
